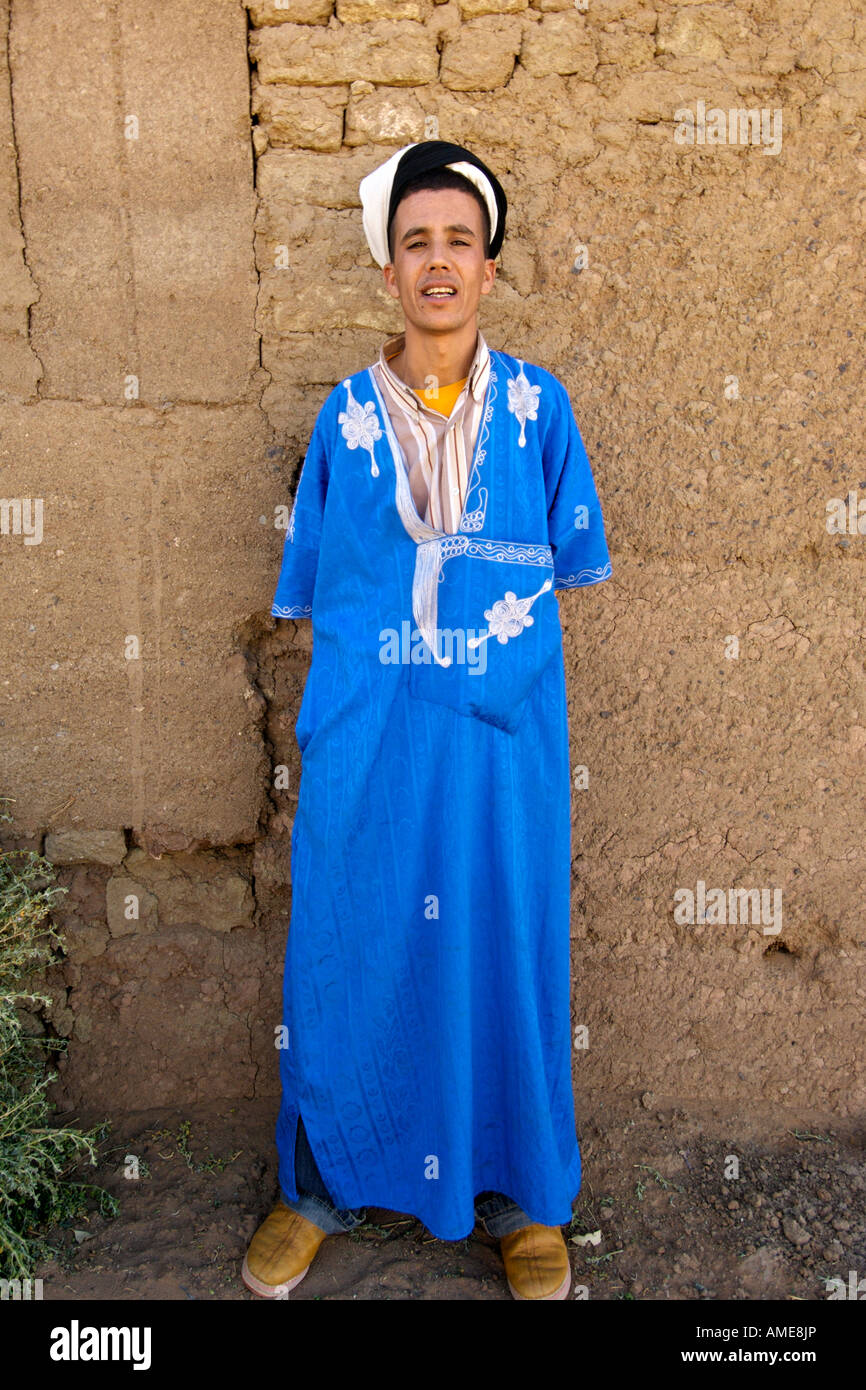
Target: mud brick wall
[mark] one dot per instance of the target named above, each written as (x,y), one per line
(183,278)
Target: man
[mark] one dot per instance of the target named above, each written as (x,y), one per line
(426,990)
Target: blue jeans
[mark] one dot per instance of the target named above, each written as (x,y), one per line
(500,1216)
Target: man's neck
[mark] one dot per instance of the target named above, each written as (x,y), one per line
(447,357)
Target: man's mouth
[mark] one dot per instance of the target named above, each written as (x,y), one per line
(439,292)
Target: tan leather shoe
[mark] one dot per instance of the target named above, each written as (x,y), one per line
(536,1262)
(280,1253)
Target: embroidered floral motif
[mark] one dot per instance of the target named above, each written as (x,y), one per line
(523,401)
(360,426)
(509,616)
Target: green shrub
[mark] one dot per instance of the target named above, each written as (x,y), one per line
(36,1159)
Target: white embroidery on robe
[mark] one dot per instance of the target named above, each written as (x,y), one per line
(519,552)
(523,401)
(434,548)
(509,616)
(293,610)
(584,577)
(360,425)
(474,518)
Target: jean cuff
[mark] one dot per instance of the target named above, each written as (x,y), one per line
(502,1223)
(323,1215)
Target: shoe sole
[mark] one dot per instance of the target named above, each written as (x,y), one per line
(269,1290)
(561,1292)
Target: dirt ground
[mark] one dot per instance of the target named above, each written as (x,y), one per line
(658,1184)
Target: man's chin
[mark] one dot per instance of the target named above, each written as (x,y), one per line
(441,320)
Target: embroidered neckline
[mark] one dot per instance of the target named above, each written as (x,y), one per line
(472,521)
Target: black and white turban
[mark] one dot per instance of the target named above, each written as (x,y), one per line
(380,190)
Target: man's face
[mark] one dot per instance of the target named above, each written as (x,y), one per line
(438,238)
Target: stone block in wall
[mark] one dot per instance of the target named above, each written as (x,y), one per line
(85,846)
(264,12)
(625,50)
(324,180)
(390,115)
(606,13)
(299,116)
(560,43)
(288,236)
(180,890)
(492,123)
(83,941)
(709,34)
(129,907)
(324,358)
(62,1019)
(363,11)
(481,54)
(374,113)
(393,52)
(472,9)
(655,96)
(352,300)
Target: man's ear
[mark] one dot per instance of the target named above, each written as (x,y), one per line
(389,275)
(487,283)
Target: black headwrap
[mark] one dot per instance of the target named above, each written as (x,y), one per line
(436,154)
(381,189)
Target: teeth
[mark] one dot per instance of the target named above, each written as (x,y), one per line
(440,293)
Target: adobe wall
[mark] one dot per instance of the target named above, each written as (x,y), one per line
(184,277)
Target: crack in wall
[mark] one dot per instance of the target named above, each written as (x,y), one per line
(16,157)
(267,379)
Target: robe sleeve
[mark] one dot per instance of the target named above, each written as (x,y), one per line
(575,522)
(297,580)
